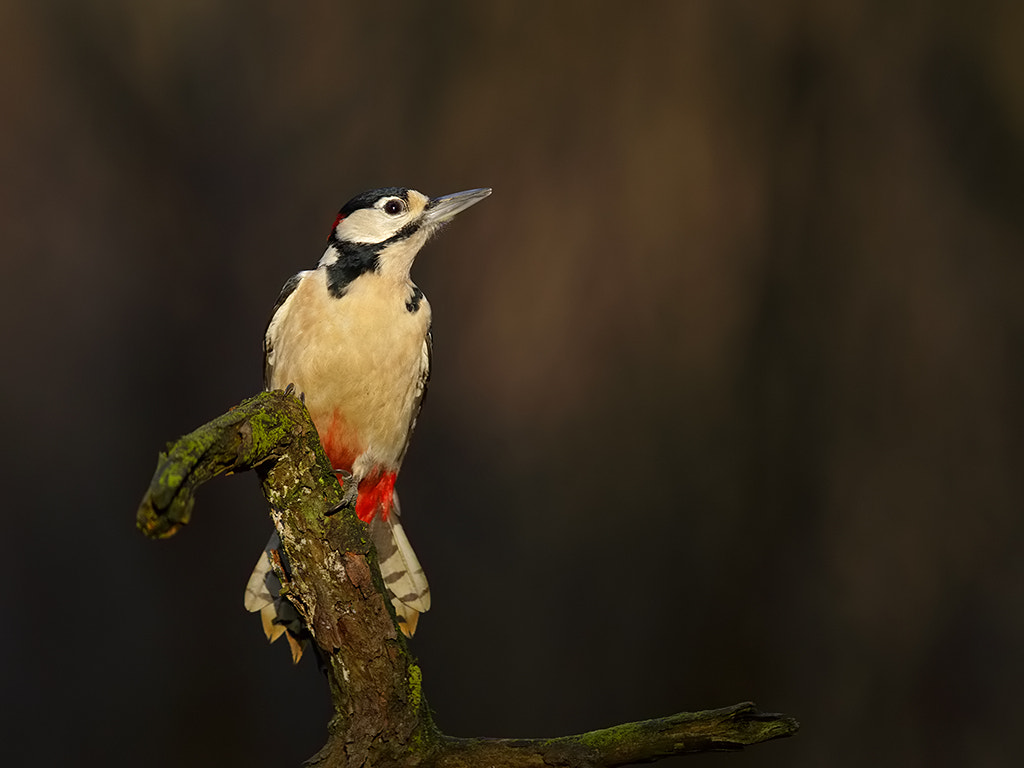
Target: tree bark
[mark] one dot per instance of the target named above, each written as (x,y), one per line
(328,570)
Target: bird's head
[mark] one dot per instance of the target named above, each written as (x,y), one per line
(383,230)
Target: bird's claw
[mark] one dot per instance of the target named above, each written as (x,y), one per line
(290,390)
(349,491)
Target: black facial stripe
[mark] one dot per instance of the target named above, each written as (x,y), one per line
(408,230)
(413,304)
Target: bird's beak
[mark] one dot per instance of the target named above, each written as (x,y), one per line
(443,209)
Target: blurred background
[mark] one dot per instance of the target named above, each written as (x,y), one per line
(727,396)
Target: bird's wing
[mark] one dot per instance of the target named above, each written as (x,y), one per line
(281,309)
(421,385)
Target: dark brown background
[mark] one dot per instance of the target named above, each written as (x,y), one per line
(728,371)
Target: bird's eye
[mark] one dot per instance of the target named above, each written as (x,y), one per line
(394,206)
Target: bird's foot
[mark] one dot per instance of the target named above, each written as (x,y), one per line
(290,390)
(349,491)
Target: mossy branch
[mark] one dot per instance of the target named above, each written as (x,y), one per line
(728,728)
(329,572)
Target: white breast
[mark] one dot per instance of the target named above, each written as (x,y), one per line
(362,358)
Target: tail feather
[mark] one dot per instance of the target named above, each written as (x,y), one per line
(401,569)
(263,594)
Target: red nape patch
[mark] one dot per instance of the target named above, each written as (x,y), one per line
(376,491)
(337,221)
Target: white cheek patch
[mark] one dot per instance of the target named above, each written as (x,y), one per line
(370,225)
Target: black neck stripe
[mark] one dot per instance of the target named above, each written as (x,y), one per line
(355,259)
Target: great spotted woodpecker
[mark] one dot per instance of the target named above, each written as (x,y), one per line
(353,338)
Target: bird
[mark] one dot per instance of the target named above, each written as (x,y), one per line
(352,338)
